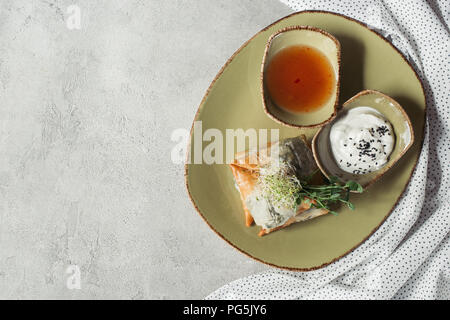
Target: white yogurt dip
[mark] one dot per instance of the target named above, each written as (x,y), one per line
(362,140)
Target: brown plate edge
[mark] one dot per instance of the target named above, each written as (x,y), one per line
(207,93)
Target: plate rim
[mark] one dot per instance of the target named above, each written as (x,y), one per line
(200,107)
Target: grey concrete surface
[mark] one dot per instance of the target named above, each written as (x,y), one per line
(85,172)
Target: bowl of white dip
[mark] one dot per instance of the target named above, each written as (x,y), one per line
(368,136)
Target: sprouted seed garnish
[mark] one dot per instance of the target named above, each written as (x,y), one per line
(284,189)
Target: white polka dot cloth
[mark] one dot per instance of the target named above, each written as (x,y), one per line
(409,256)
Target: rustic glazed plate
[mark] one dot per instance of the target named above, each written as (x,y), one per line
(305,36)
(391,110)
(234,101)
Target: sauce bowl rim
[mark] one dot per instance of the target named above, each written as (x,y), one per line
(337,84)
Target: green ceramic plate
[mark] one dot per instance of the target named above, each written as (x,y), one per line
(234,101)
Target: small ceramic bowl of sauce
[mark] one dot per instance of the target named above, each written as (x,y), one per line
(300,76)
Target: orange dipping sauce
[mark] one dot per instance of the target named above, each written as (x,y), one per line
(300,79)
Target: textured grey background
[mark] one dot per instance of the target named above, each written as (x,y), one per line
(85,171)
